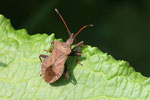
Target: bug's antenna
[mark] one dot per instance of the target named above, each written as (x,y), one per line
(90,25)
(63,21)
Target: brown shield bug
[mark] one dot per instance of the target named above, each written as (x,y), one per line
(53,66)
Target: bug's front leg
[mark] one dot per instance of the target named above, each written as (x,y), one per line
(77,52)
(79,44)
(50,47)
(43,56)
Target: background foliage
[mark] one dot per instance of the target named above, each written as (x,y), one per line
(121,27)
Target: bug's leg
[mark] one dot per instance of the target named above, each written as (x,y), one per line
(66,72)
(40,74)
(50,48)
(78,60)
(73,53)
(78,44)
(77,52)
(43,56)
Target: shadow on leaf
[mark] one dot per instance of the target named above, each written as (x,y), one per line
(2,64)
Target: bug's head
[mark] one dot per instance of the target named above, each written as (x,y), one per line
(71,35)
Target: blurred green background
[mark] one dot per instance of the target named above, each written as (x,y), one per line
(121,27)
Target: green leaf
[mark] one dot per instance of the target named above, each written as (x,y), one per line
(100,78)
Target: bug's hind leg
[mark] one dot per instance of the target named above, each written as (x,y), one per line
(43,56)
(66,72)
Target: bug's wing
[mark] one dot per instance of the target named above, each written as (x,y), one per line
(54,72)
(49,75)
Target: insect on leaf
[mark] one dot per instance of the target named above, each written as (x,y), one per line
(100,78)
